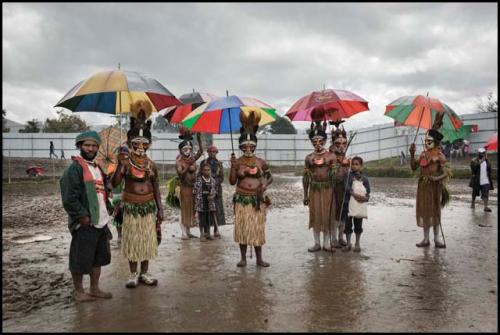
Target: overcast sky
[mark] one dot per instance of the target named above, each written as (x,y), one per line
(276,52)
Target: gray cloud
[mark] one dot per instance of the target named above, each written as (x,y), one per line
(275,52)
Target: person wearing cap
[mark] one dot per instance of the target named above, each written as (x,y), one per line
(85,199)
(433,172)
(481,178)
(217,172)
(317,183)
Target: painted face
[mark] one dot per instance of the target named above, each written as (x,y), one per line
(340,145)
(248,149)
(186,150)
(318,144)
(429,142)
(140,146)
(355,166)
(88,150)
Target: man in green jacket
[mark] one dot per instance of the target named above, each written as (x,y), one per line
(85,199)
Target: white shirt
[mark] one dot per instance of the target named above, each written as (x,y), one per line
(104,217)
(483,175)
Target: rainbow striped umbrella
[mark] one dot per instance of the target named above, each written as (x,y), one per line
(113,92)
(420,111)
(190,101)
(223,115)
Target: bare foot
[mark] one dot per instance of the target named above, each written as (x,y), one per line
(242,263)
(263,264)
(314,248)
(82,297)
(100,294)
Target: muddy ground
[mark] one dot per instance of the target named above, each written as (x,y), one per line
(390,286)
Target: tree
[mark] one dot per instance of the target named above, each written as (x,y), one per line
(4,129)
(281,126)
(163,125)
(32,126)
(65,124)
(491,105)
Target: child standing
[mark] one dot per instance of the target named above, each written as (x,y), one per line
(205,190)
(359,189)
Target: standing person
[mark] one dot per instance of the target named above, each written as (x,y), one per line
(218,174)
(52,150)
(481,178)
(141,198)
(62,154)
(433,171)
(84,198)
(204,192)
(341,172)
(402,158)
(185,166)
(252,176)
(358,187)
(317,183)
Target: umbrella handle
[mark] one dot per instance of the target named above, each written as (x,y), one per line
(419,121)
(231,130)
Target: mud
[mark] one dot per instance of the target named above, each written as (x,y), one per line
(389,286)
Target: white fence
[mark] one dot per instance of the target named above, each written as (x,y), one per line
(371,143)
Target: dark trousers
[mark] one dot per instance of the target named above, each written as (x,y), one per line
(358,229)
(206,219)
(89,248)
(219,205)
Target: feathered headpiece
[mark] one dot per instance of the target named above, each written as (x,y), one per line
(140,126)
(338,130)
(438,122)
(249,125)
(317,130)
(186,136)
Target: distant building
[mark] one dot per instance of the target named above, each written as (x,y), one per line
(13,126)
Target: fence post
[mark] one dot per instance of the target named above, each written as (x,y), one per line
(294,151)
(32,145)
(163,163)
(379,142)
(9,165)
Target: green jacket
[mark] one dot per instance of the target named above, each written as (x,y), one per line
(74,195)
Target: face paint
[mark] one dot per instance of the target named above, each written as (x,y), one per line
(318,144)
(140,146)
(340,145)
(186,151)
(429,142)
(248,149)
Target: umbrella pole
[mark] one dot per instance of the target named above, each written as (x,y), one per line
(230,127)
(419,121)
(120,102)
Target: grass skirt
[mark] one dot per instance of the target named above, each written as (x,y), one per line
(187,207)
(428,202)
(319,209)
(249,225)
(139,234)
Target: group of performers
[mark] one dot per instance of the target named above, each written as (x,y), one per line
(332,183)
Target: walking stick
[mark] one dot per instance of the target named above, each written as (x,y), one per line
(441,228)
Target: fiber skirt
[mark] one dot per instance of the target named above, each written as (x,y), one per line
(320,202)
(139,241)
(428,203)
(187,207)
(249,225)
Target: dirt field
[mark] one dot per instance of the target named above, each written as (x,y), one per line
(37,283)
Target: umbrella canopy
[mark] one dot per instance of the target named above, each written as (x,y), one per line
(492,144)
(191,101)
(223,115)
(329,104)
(113,92)
(420,111)
(451,135)
(108,150)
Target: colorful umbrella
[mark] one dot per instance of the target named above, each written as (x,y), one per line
(191,101)
(111,140)
(223,115)
(492,144)
(328,104)
(421,111)
(451,135)
(112,92)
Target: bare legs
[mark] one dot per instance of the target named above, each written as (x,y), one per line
(258,254)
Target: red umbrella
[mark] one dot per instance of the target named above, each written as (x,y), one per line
(492,144)
(190,101)
(328,104)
